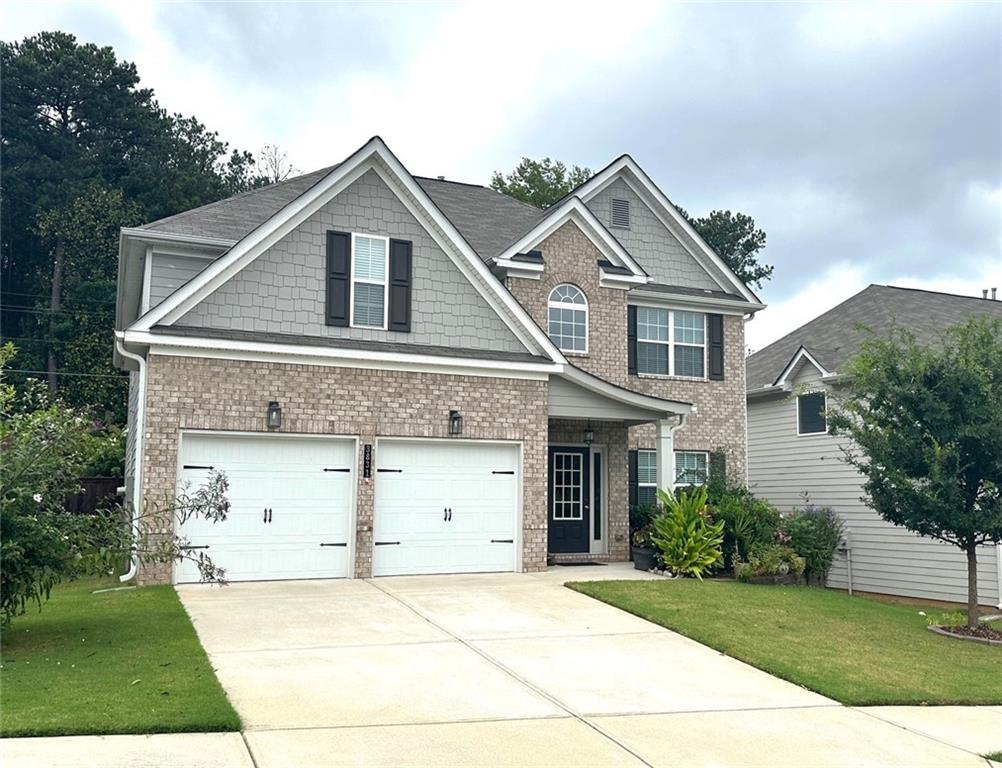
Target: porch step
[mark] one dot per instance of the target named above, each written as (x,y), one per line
(557,558)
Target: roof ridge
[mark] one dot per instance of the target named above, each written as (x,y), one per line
(929,290)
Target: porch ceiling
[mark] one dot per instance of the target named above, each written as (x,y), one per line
(577,394)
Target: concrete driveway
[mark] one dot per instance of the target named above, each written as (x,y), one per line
(507,670)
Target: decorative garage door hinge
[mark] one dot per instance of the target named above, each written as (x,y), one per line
(337,469)
(388,470)
(502,541)
(503,472)
(386,543)
(197,466)
(333,544)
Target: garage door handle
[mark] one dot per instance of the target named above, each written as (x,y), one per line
(450,514)
(269,514)
(265,520)
(386,543)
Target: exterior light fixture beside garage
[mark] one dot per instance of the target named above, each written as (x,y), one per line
(455,423)
(274,418)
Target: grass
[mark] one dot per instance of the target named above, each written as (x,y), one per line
(115,662)
(852,649)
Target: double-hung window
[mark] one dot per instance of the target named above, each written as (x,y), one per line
(647,477)
(691,468)
(671,342)
(368,281)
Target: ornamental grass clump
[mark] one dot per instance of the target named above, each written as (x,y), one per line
(689,542)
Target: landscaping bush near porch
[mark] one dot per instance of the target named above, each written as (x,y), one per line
(855,650)
(115,662)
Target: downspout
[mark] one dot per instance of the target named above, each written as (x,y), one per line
(137,481)
(998,567)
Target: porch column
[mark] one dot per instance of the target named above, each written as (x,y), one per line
(665,447)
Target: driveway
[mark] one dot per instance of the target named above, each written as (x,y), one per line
(508,669)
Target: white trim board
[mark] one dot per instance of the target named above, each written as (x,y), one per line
(374,155)
(643,186)
(576,211)
(800,354)
(338,357)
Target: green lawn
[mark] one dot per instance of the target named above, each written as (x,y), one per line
(116,662)
(855,650)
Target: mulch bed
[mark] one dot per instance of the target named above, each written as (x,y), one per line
(982,632)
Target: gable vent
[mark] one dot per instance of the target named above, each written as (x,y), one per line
(621,213)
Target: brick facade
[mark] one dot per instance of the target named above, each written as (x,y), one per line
(197,393)
(719,421)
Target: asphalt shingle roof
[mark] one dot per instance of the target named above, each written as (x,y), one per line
(487,219)
(835,336)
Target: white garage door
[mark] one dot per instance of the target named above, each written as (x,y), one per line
(290,505)
(444,507)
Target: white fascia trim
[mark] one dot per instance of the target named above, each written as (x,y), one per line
(152,235)
(189,346)
(694,303)
(518,268)
(664,211)
(624,282)
(574,210)
(602,387)
(799,355)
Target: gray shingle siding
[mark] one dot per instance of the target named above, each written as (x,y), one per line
(886,558)
(283,290)
(657,250)
(168,273)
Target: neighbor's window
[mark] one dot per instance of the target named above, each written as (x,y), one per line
(812,413)
(368,281)
(567,313)
(647,475)
(671,343)
(691,467)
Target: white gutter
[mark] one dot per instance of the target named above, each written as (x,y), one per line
(137,481)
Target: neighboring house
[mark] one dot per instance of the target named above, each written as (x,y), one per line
(406,375)
(791,454)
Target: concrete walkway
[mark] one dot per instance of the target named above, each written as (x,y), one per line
(510,670)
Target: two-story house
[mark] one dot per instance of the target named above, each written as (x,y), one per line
(404,375)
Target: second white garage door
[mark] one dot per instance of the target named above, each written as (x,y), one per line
(445,507)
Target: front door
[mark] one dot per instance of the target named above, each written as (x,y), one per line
(569,515)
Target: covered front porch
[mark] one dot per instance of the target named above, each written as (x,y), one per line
(588,473)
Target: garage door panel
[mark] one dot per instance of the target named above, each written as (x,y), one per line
(285,475)
(478,482)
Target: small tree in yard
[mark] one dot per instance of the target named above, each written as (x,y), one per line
(926,423)
(45,446)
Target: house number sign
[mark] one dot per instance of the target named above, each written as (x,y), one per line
(367,461)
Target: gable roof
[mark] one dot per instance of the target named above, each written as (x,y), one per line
(626,168)
(373,155)
(487,219)
(835,336)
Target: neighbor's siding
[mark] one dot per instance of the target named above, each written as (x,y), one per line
(885,558)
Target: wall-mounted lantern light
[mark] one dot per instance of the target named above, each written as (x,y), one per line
(274,415)
(455,423)
(589,435)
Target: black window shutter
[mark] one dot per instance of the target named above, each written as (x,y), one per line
(400,286)
(338,278)
(718,466)
(631,340)
(811,415)
(716,328)
(633,479)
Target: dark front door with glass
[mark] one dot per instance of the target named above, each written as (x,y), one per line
(569,515)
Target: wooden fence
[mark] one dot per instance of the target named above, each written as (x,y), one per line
(96,493)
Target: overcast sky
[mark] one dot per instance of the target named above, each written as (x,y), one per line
(865,140)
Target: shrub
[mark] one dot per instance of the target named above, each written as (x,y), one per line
(749,523)
(773,560)
(642,515)
(814,533)
(689,542)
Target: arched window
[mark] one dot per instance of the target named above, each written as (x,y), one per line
(567,313)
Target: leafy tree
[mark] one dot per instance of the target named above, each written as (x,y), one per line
(735,239)
(76,120)
(46,448)
(926,421)
(540,182)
